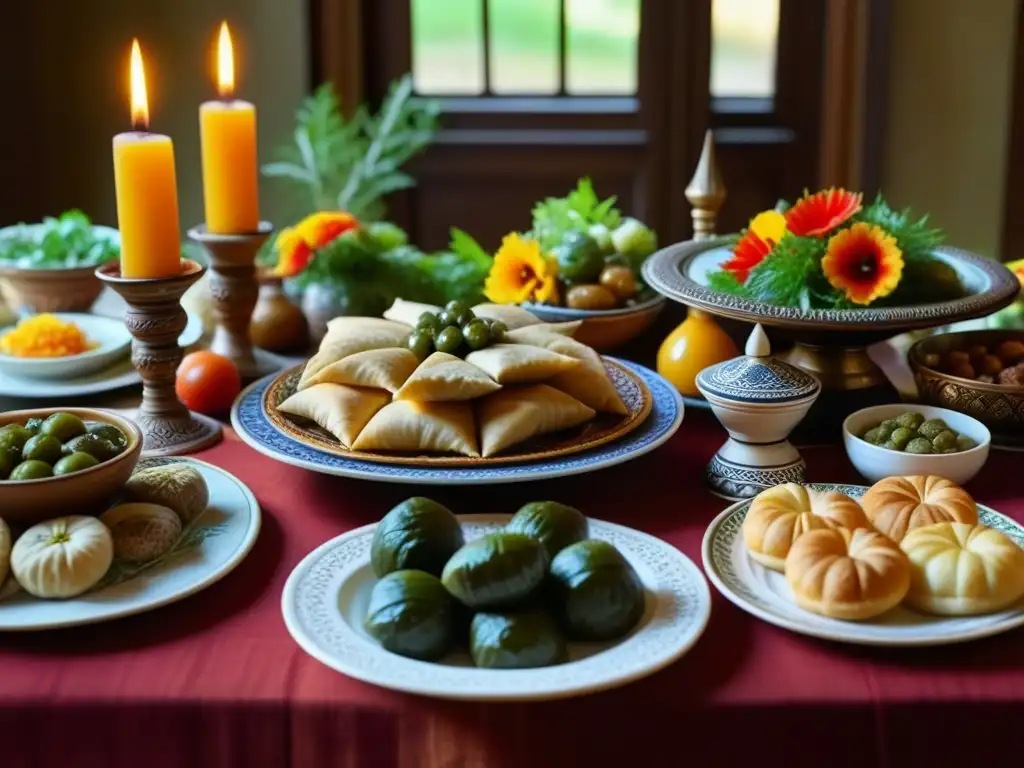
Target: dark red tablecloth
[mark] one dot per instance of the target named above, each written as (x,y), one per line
(216,681)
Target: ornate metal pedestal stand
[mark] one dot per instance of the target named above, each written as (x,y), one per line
(155,319)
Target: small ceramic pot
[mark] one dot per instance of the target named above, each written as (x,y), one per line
(759,400)
(277,325)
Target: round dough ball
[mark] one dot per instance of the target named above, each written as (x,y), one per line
(177,486)
(778,516)
(5,550)
(896,505)
(142,532)
(63,557)
(850,575)
(959,569)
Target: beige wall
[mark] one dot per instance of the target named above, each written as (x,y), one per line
(86,44)
(949,100)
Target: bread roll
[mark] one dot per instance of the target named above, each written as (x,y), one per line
(779,515)
(850,575)
(958,569)
(896,505)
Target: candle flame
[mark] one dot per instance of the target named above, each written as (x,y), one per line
(140,104)
(225,63)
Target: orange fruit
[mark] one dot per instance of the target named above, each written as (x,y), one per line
(207,382)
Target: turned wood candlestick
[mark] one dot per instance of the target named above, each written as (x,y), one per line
(234,290)
(155,320)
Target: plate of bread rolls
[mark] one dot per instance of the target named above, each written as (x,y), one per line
(908,561)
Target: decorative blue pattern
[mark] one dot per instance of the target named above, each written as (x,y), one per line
(757,380)
(251,423)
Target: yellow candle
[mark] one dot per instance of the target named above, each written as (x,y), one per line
(227,130)
(147,192)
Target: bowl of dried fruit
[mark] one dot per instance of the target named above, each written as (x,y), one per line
(980,373)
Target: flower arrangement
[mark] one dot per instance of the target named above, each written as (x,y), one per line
(830,251)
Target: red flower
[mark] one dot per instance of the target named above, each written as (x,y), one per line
(818,214)
(748,253)
(863,262)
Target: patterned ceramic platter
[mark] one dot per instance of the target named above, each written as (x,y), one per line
(680,273)
(209,549)
(602,429)
(325,599)
(764,593)
(252,425)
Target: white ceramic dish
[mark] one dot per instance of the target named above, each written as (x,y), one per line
(765,594)
(223,536)
(110,337)
(325,598)
(875,463)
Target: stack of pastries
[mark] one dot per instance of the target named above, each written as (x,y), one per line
(367,387)
(911,540)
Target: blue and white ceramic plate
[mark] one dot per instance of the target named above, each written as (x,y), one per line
(252,425)
(765,594)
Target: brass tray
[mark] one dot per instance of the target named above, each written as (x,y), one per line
(602,429)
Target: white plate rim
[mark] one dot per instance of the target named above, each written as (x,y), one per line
(852,636)
(251,534)
(531,693)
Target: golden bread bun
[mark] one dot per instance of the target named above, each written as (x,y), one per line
(845,574)
(958,569)
(896,505)
(779,515)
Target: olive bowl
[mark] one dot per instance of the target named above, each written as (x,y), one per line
(998,407)
(84,492)
(603,329)
(876,463)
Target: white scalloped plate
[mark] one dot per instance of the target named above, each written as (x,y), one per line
(765,594)
(326,596)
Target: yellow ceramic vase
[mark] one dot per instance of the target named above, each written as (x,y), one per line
(694,345)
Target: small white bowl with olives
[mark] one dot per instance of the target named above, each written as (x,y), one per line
(905,439)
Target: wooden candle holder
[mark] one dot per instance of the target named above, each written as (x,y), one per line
(155,320)
(235,290)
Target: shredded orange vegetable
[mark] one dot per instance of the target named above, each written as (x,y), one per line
(44,335)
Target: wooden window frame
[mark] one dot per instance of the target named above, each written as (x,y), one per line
(1012,241)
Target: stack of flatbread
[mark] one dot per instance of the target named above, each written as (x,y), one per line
(373,394)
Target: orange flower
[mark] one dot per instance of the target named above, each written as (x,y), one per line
(765,231)
(818,214)
(296,245)
(863,262)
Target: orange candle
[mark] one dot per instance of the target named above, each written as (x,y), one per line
(147,191)
(227,130)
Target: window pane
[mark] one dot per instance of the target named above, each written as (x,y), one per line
(448,46)
(744,41)
(524,46)
(602,41)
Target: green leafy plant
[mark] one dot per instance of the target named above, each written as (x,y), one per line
(353,164)
(69,240)
(581,209)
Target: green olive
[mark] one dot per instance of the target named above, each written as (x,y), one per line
(874,436)
(447,319)
(619,280)
(944,441)
(94,445)
(32,470)
(42,448)
(590,297)
(910,420)
(449,340)
(477,334)
(920,445)
(901,437)
(6,462)
(465,318)
(965,443)
(14,436)
(890,424)
(421,343)
(63,427)
(498,330)
(75,462)
(429,322)
(110,433)
(932,427)
(457,307)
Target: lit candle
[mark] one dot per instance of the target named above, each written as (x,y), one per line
(147,191)
(227,130)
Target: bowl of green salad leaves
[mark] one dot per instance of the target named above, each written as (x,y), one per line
(50,266)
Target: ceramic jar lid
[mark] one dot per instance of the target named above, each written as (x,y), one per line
(757,379)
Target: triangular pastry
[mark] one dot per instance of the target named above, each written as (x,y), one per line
(518,413)
(589,383)
(342,411)
(444,377)
(512,316)
(405,425)
(534,334)
(520,363)
(408,312)
(375,368)
(349,335)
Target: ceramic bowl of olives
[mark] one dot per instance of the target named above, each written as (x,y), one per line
(905,439)
(58,461)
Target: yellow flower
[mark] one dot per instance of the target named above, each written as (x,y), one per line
(520,272)
(318,229)
(770,226)
(863,262)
